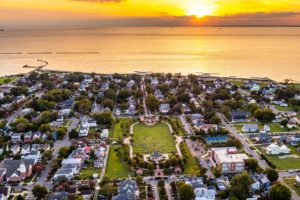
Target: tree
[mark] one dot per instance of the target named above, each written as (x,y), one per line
(152,102)
(61,132)
(252,164)
(73,134)
(186,192)
(264,115)
(272,174)
(240,186)
(39,191)
(83,106)
(20,197)
(104,118)
(44,128)
(63,152)
(280,192)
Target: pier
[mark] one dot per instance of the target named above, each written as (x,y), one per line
(43,64)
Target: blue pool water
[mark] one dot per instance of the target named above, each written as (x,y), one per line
(216,139)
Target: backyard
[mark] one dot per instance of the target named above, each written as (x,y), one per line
(120,127)
(292,183)
(284,163)
(116,168)
(147,139)
(89,172)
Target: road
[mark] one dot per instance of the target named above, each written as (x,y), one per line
(186,125)
(262,163)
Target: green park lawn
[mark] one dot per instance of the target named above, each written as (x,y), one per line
(179,128)
(4,80)
(116,168)
(117,131)
(147,139)
(191,166)
(292,183)
(89,172)
(284,163)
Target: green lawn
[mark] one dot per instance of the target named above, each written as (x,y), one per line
(88,173)
(120,128)
(289,108)
(237,83)
(191,166)
(292,183)
(115,167)
(179,126)
(4,80)
(275,127)
(284,163)
(147,139)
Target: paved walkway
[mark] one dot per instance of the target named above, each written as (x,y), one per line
(170,127)
(131,127)
(127,141)
(178,141)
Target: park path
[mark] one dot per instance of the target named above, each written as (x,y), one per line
(170,127)
(178,141)
(127,141)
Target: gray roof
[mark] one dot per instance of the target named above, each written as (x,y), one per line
(250,126)
(12,166)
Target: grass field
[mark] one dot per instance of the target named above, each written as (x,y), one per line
(4,80)
(179,126)
(88,173)
(147,139)
(117,131)
(115,167)
(285,163)
(292,183)
(191,166)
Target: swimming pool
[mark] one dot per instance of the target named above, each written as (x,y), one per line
(216,139)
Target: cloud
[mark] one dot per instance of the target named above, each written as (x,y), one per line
(253,19)
(101,1)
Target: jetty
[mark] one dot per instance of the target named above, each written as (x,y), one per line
(43,64)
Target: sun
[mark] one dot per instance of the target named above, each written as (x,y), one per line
(199,8)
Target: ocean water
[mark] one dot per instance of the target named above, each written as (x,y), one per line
(242,52)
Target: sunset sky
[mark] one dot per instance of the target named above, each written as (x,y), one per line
(149,12)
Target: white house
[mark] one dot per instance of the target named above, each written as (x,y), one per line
(164,108)
(274,149)
(205,193)
(84,131)
(104,134)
